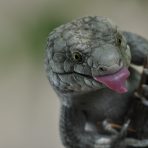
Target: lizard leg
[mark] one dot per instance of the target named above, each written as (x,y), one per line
(144,95)
(110,128)
(117,137)
(73,134)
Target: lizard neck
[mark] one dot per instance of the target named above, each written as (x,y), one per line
(71,98)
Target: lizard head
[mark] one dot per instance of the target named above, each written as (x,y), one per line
(87,54)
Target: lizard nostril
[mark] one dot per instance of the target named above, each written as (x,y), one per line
(103,69)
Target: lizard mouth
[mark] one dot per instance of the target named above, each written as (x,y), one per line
(115,81)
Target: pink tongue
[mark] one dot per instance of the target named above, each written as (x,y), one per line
(115,81)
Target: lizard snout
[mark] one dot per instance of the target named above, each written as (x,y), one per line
(110,69)
(106,60)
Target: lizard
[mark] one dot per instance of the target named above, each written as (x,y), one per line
(88,63)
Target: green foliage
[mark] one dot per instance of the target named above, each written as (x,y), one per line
(36,36)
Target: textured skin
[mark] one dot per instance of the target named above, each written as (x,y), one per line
(104,50)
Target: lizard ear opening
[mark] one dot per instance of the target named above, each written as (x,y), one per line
(119,40)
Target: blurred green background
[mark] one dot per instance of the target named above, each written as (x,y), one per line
(29,108)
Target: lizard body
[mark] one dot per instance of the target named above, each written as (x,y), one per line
(82,58)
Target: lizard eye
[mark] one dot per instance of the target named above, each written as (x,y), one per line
(77,57)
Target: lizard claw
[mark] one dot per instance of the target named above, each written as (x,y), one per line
(108,127)
(124,129)
(117,137)
(123,132)
(118,140)
(111,128)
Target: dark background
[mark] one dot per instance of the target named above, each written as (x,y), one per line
(29,109)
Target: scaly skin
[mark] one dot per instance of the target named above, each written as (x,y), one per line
(76,53)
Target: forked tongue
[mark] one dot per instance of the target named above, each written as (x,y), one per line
(115,81)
